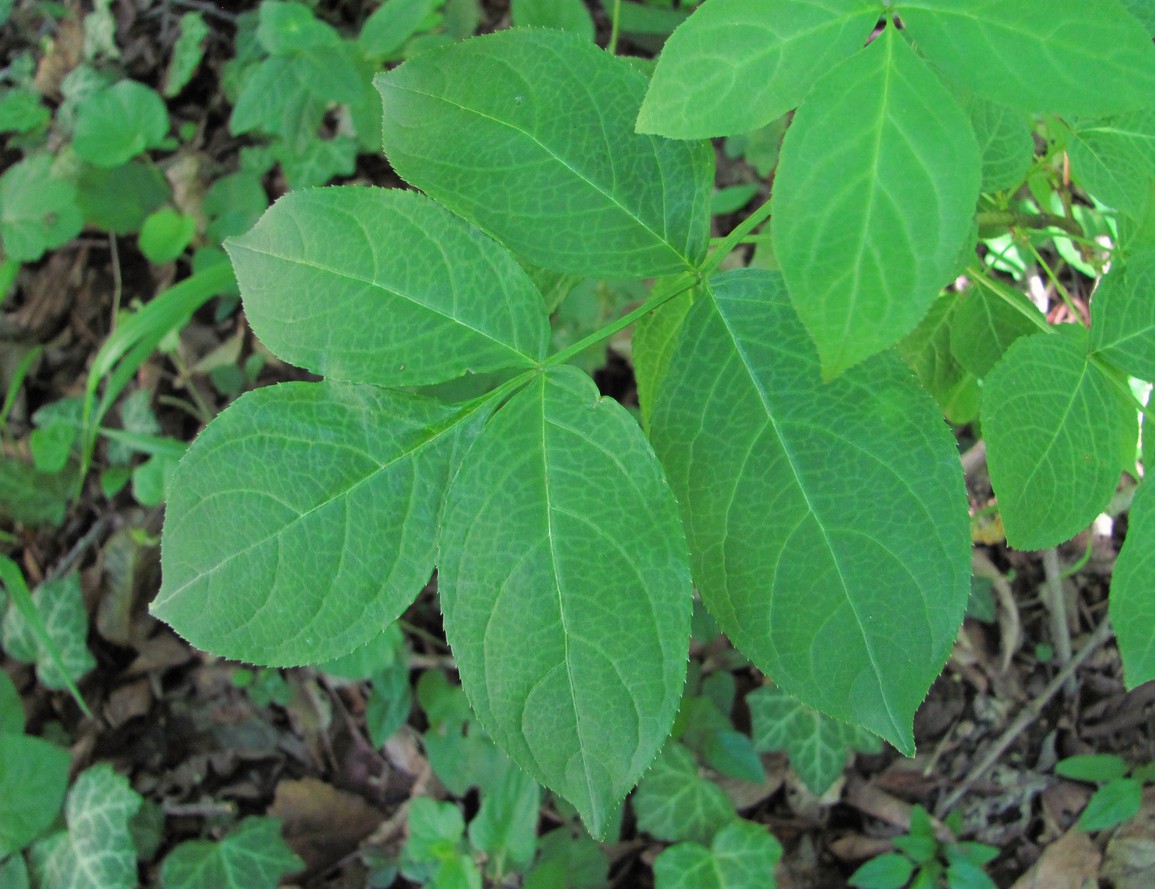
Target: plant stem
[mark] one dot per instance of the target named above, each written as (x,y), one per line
(612,46)
(1055,601)
(661,294)
(733,239)
(1012,219)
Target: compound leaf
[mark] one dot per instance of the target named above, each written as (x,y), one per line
(1123,316)
(529,133)
(874,196)
(779,477)
(735,65)
(742,856)
(1067,56)
(675,803)
(304,519)
(375,285)
(1132,604)
(253,855)
(1058,431)
(566,590)
(816,744)
(96,851)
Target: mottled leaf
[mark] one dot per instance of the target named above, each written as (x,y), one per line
(61,605)
(675,803)
(742,856)
(96,851)
(253,855)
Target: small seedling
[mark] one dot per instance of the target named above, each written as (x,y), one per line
(923,861)
(1120,791)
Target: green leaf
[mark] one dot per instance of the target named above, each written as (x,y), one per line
(96,851)
(1057,431)
(118,123)
(11,708)
(1114,159)
(1066,56)
(889,871)
(566,861)
(433,850)
(13,871)
(505,827)
(566,590)
(1005,142)
(33,497)
(780,477)
(1123,316)
(736,65)
(927,349)
(119,199)
(1132,604)
(392,24)
(1092,767)
(22,111)
(742,856)
(448,299)
(165,235)
(874,195)
(655,338)
(984,325)
(38,210)
(673,802)
(287,28)
(61,605)
(187,53)
(33,779)
(1113,803)
(383,651)
(252,855)
(816,744)
(568,15)
(479,126)
(304,519)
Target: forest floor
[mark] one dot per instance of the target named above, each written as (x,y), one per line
(1035,680)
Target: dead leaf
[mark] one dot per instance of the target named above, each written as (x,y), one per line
(321,823)
(1071,862)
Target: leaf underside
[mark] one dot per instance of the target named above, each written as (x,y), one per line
(376,285)
(822,517)
(1057,432)
(304,519)
(565,586)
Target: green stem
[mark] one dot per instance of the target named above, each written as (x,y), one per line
(1054,280)
(1012,219)
(733,239)
(659,295)
(9,269)
(613,44)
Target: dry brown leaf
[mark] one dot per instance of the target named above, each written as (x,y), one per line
(321,823)
(1071,862)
